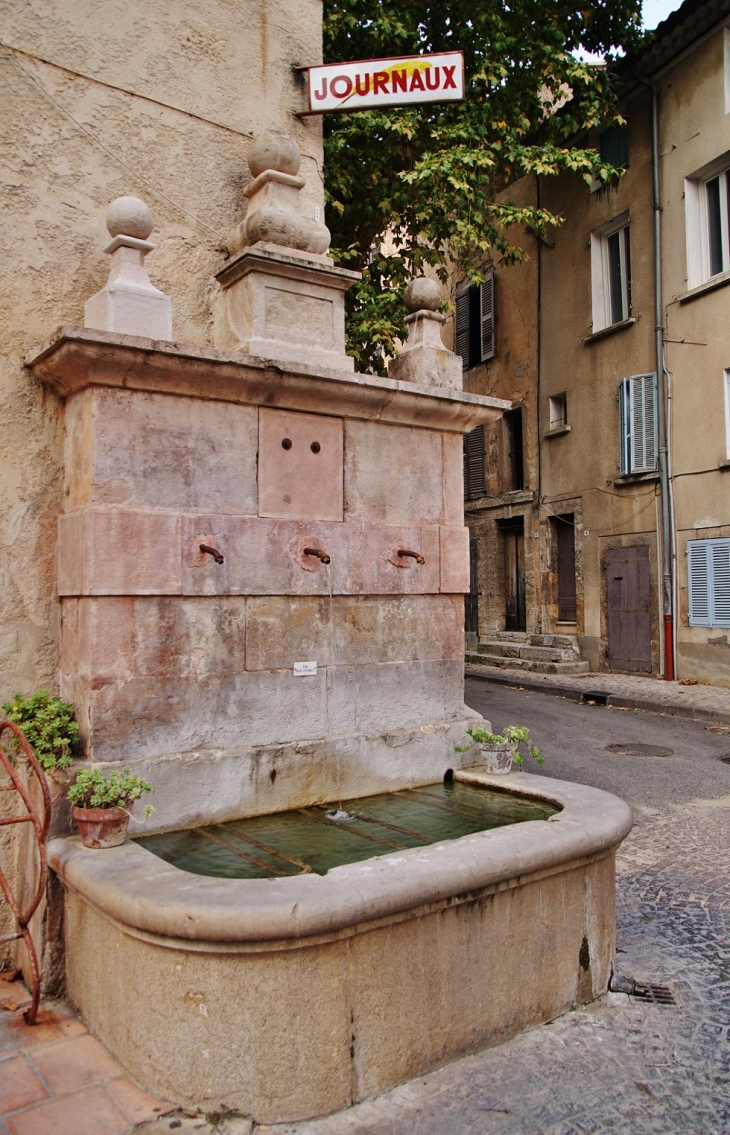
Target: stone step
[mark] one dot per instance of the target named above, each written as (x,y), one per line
(500,662)
(532,653)
(562,640)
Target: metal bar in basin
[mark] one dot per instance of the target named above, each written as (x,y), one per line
(477,809)
(271,850)
(394,827)
(471,815)
(354,831)
(244,854)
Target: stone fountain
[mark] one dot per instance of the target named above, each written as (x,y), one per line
(261,569)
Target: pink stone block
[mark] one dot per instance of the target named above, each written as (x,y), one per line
(454,559)
(453,477)
(392,474)
(105,638)
(300,465)
(119,552)
(385,571)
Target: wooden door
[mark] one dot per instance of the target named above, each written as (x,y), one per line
(628,594)
(566,568)
(471,601)
(514,578)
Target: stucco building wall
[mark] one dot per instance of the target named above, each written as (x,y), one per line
(156,100)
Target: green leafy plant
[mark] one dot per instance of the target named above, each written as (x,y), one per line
(429,185)
(93,790)
(49,727)
(515,735)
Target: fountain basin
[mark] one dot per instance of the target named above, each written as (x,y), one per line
(292,997)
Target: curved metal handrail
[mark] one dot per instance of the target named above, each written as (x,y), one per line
(40,824)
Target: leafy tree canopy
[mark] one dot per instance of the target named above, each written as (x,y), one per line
(410,186)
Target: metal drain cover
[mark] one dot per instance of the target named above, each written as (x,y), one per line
(654,994)
(630,749)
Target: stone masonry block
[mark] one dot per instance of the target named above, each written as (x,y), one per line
(150,717)
(396,695)
(119,552)
(453,483)
(393,474)
(454,559)
(355,630)
(300,465)
(170,452)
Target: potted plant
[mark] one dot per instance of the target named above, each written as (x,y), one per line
(48,726)
(501,750)
(102,808)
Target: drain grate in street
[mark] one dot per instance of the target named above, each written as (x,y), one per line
(654,994)
(634,750)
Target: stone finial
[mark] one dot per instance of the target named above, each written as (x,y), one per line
(129,304)
(274,213)
(424,359)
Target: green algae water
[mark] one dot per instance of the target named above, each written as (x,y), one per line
(317,838)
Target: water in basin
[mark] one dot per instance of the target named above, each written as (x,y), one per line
(324,836)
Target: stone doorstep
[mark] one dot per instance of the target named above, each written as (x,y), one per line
(569,642)
(498,660)
(530,653)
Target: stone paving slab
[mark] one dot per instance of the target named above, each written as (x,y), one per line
(705,703)
(619,1065)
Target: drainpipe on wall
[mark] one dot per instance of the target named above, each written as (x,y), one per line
(667,561)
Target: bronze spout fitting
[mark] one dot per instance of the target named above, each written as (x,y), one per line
(319,554)
(217,556)
(413,555)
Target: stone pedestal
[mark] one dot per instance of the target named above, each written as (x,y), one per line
(424,359)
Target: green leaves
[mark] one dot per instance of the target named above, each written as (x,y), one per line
(92,790)
(424,185)
(48,725)
(515,735)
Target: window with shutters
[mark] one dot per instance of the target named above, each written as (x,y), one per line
(474,464)
(475,323)
(611,273)
(708,569)
(726,384)
(614,146)
(637,405)
(707,215)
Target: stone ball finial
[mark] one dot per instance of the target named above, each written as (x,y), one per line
(423,294)
(128,216)
(274,151)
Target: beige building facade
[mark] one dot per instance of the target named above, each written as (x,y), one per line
(155,100)
(602,408)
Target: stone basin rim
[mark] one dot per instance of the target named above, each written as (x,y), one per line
(137,890)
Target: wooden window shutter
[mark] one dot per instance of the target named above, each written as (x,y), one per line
(461,334)
(637,398)
(486,310)
(474,464)
(720,578)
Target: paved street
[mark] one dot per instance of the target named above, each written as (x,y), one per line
(621,1065)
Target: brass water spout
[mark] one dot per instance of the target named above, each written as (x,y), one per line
(217,556)
(413,555)
(318,553)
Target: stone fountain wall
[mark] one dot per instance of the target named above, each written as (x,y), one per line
(276,457)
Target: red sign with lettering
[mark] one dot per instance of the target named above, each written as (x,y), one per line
(386,82)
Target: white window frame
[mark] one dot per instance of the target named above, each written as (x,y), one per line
(708,582)
(697,221)
(600,274)
(638,424)
(726,385)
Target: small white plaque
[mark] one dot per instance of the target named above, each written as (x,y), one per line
(304,669)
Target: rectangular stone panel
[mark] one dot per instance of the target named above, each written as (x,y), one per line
(385,571)
(357,630)
(135,449)
(119,552)
(298,318)
(453,482)
(395,695)
(300,465)
(454,544)
(393,474)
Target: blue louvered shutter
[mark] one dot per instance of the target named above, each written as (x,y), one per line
(708,569)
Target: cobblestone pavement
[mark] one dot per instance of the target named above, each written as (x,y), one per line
(706,702)
(620,1065)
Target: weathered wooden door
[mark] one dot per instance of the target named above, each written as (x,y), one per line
(471,601)
(566,568)
(628,594)
(514,577)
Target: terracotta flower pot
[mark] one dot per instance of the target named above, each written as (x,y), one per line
(497,758)
(102,827)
